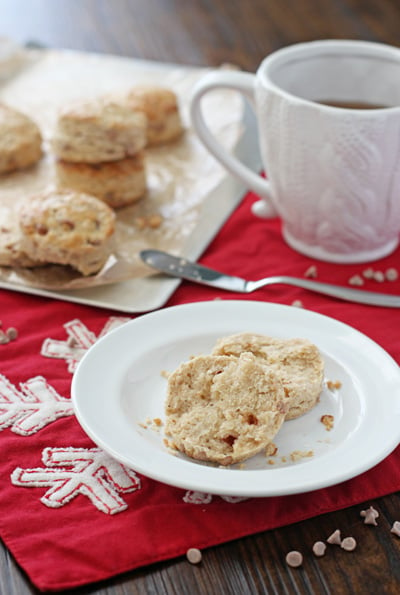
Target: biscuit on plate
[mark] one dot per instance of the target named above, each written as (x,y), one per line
(20,140)
(297,362)
(118,183)
(11,252)
(69,228)
(224,409)
(98,130)
(162,111)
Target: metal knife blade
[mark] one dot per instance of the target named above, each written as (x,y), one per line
(177,266)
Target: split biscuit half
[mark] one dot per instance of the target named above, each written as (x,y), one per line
(297,363)
(223,409)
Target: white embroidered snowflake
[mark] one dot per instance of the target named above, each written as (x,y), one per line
(79,340)
(32,408)
(70,471)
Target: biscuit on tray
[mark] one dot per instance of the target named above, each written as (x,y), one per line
(118,183)
(98,130)
(68,228)
(297,362)
(20,140)
(224,409)
(162,111)
(11,251)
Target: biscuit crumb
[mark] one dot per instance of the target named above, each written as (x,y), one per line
(152,221)
(333,385)
(296,455)
(328,421)
(157,421)
(169,444)
(165,374)
(271,449)
(271,462)
(140,222)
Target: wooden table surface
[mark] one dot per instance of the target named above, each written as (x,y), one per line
(200,33)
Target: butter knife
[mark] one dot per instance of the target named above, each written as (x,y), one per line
(176,266)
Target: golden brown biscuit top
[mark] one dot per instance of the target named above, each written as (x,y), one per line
(16,128)
(68,218)
(104,113)
(155,102)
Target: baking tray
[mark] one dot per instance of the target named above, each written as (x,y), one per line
(150,293)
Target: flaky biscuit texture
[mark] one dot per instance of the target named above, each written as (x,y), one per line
(118,183)
(20,140)
(224,409)
(98,130)
(66,227)
(297,362)
(160,105)
(11,240)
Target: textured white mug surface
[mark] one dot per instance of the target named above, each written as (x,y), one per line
(333,172)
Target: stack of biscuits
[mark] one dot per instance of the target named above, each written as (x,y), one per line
(99,149)
(100,166)
(99,144)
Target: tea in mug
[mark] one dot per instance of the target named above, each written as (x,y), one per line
(352,104)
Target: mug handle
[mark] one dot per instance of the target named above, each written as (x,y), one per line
(243,82)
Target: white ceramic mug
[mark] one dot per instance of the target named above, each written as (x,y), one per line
(333,172)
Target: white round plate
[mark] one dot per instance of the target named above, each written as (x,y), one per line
(120,386)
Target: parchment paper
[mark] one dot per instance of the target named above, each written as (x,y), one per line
(179,175)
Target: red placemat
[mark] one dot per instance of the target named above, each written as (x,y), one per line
(70,514)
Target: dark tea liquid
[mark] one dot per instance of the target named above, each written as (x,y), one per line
(352,104)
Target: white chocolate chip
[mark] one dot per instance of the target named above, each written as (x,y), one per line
(368,273)
(311,272)
(378,276)
(71,341)
(12,333)
(392,274)
(348,544)
(298,304)
(319,548)
(294,559)
(194,555)
(3,338)
(370,515)
(356,280)
(335,538)
(396,528)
